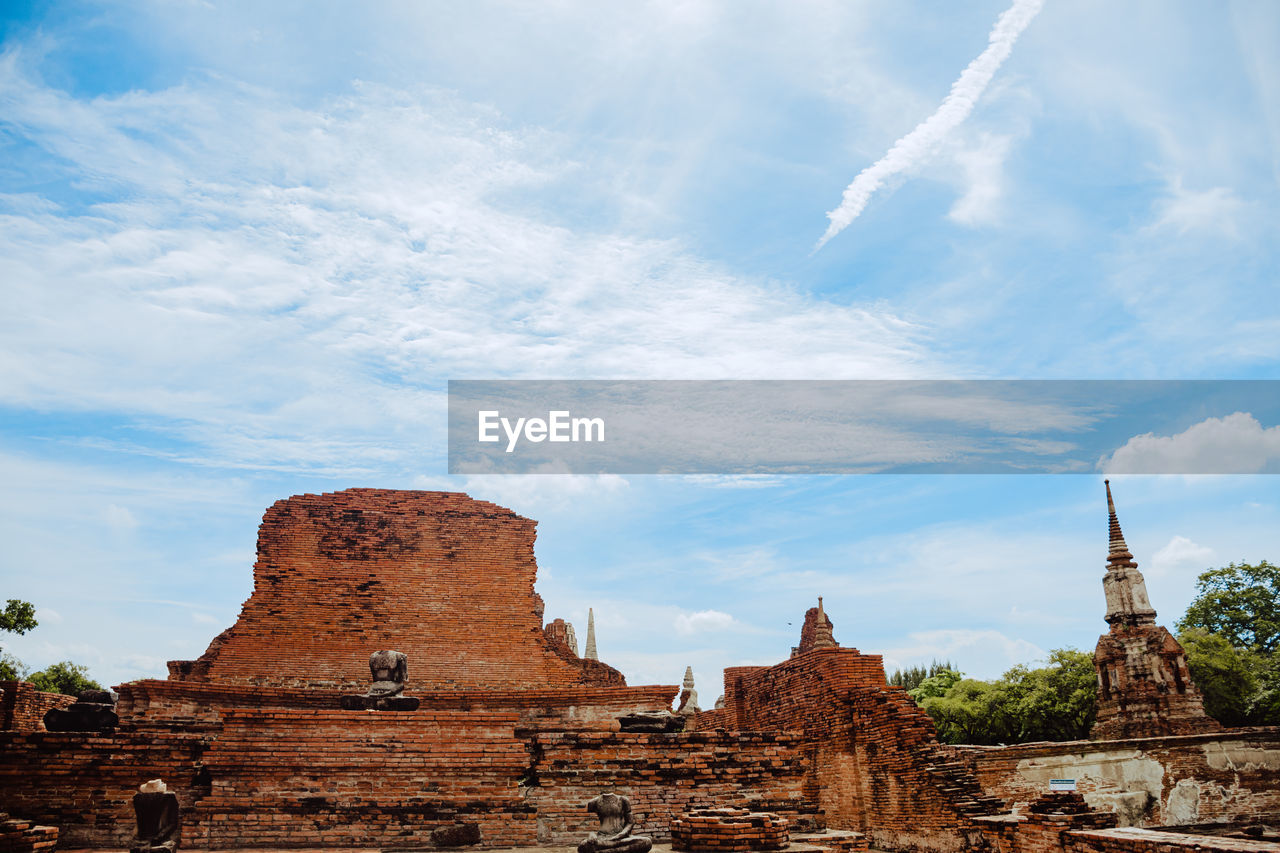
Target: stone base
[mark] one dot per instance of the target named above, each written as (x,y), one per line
(379,703)
(660,722)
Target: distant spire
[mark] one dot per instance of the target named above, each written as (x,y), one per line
(1117,551)
(1123,584)
(590,653)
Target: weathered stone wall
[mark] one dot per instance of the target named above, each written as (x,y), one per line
(663,774)
(1147,781)
(22,706)
(443,578)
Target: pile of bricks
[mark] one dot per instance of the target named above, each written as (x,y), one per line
(23,836)
(728,830)
(849,842)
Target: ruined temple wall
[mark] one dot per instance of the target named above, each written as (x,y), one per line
(664,775)
(443,578)
(22,706)
(312,778)
(1167,781)
(84,783)
(873,753)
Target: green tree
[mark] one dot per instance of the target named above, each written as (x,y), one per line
(1225,675)
(1241,603)
(18,617)
(972,711)
(911,678)
(1055,702)
(64,677)
(935,685)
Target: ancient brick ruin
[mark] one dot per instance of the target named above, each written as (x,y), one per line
(1144,688)
(514,732)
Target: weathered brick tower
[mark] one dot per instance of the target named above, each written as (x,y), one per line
(1144,688)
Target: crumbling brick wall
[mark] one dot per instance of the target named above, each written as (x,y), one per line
(663,775)
(876,765)
(443,578)
(22,706)
(84,783)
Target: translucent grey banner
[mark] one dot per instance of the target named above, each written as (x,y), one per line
(864,426)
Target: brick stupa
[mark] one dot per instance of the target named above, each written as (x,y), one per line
(446,579)
(1144,687)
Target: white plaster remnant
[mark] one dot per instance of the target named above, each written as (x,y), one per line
(1127,782)
(1183,805)
(1239,757)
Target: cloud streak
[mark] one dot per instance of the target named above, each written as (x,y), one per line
(918,145)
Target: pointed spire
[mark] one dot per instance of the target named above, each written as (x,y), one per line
(590,653)
(1123,584)
(1117,551)
(688,678)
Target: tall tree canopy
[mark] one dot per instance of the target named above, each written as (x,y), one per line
(1239,602)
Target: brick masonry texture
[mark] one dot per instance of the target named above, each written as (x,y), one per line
(22,836)
(664,775)
(443,578)
(729,830)
(1147,841)
(22,706)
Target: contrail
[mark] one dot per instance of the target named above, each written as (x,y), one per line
(921,142)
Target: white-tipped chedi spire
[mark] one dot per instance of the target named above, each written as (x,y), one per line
(590,652)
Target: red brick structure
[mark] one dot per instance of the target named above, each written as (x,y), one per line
(729,830)
(22,836)
(875,762)
(22,706)
(1144,687)
(443,578)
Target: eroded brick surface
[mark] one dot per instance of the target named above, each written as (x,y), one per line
(22,706)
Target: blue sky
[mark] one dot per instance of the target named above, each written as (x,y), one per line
(243,249)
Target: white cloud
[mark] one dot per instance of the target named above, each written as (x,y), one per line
(702,621)
(1235,444)
(119,518)
(983,169)
(1180,554)
(979,653)
(1215,211)
(921,143)
(284,287)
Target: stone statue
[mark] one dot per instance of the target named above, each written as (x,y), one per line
(614,834)
(156,809)
(390,670)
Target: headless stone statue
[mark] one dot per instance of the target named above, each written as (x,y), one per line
(156,809)
(390,670)
(614,834)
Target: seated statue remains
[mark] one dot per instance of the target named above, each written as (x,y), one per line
(614,834)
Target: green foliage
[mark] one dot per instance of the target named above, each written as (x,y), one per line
(18,617)
(1224,674)
(936,685)
(1053,702)
(65,677)
(1241,603)
(11,669)
(911,678)
(1231,634)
